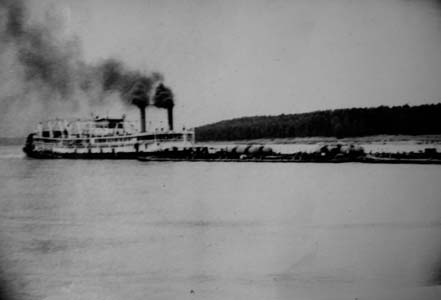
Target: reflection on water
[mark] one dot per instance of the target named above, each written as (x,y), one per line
(132,230)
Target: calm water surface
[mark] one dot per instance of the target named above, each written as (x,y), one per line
(182,230)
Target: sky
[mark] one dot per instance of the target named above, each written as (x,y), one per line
(227,59)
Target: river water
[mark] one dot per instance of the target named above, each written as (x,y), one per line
(198,230)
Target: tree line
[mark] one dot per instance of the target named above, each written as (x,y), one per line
(340,123)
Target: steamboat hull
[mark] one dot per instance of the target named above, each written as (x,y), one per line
(106,147)
(53,155)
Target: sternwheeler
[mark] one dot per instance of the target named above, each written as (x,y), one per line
(110,138)
(101,138)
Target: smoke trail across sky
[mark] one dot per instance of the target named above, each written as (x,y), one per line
(43,73)
(225,59)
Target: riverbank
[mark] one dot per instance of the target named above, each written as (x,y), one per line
(418,139)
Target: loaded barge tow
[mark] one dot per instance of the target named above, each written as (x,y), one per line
(111,138)
(117,138)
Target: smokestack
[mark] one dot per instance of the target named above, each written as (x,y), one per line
(143,120)
(170,118)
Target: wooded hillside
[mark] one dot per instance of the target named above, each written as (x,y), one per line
(408,120)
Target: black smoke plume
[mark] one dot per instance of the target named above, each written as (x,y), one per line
(43,72)
(164,99)
(140,95)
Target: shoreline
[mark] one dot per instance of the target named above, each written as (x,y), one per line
(419,139)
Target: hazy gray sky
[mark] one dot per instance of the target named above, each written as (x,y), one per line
(226,59)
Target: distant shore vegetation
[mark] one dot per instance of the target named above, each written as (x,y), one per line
(338,123)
